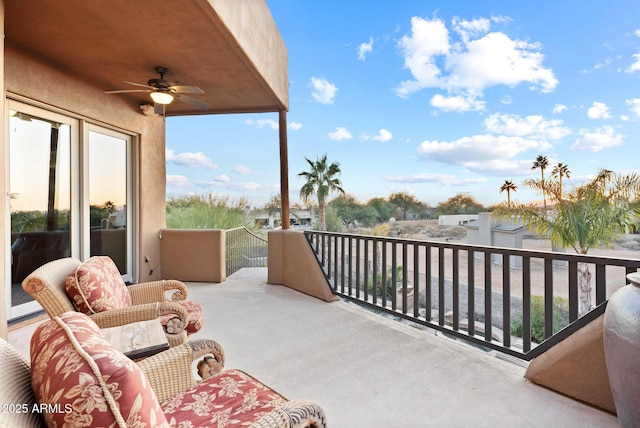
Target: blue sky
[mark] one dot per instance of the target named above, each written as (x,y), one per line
(432,99)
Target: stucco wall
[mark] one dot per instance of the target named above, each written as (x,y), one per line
(292,263)
(39,79)
(194,254)
(252,25)
(576,367)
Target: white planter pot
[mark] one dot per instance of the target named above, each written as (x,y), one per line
(622,350)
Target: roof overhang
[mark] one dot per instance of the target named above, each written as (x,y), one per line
(230,49)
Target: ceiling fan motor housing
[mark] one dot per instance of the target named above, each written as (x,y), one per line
(160,83)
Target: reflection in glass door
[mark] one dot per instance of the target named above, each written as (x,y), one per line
(40,196)
(71,195)
(108,186)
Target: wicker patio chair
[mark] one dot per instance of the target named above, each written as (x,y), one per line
(77,377)
(142,302)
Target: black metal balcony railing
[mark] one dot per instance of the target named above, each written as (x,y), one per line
(438,284)
(244,249)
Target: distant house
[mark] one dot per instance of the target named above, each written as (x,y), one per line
(486,232)
(297,218)
(456,219)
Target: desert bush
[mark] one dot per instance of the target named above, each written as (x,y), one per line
(560,318)
(207,212)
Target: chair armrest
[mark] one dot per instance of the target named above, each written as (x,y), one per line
(146,312)
(128,315)
(171,372)
(154,291)
(294,414)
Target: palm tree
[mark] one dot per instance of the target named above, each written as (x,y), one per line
(589,216)
(559,171)
(321,181)
(508,186)
(109,207)
(542,162)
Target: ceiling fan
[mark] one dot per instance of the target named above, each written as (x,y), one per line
(163,92)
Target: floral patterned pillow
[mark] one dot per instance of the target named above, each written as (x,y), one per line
(79,379)
(97,286)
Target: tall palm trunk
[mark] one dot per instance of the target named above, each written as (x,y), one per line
(322,210)
(584,287)
(544,194)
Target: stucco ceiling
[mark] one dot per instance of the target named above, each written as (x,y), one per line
(123,40)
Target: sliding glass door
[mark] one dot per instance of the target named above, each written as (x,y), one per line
(70,195)
(109,193)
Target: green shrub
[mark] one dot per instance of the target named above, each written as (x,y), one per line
(333,222)
(207,212)
(560,318)
(389,284)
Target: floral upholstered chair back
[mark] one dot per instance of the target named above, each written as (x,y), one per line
(97,286)
(85,381)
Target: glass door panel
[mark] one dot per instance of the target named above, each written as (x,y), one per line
(108,188)
(40,195)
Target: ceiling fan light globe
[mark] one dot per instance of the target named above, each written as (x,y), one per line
(161,97)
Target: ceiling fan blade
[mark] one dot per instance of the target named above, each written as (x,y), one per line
(186,90)
(192,101)
(125,91)
(139,84)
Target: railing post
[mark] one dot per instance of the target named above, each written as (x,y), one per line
(488,294)
(548,298)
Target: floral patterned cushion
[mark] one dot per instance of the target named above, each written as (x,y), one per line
(84,381)
(230,398)
(194,312)
(97,286)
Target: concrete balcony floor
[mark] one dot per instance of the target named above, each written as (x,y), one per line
(366,370)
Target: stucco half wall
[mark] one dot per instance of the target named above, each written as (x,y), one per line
(293,264)
(193,254)
(576,367)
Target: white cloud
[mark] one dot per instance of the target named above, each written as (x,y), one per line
(340,133)
(598,111)
(222,178)
(478,148)
(323,91)
(457,103)
(249,185)
(189,159)
(600,139)
(634,106)
(261,123)
(479,60)
(558,108)
(383,136)
(221,183)
(606,63)
(294,126)
(501,167)
(429,39)
(241,169)
(179,181)
(468,29)
(635,66)
(495,59)
(533,126)
(446,179)
(364,49)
